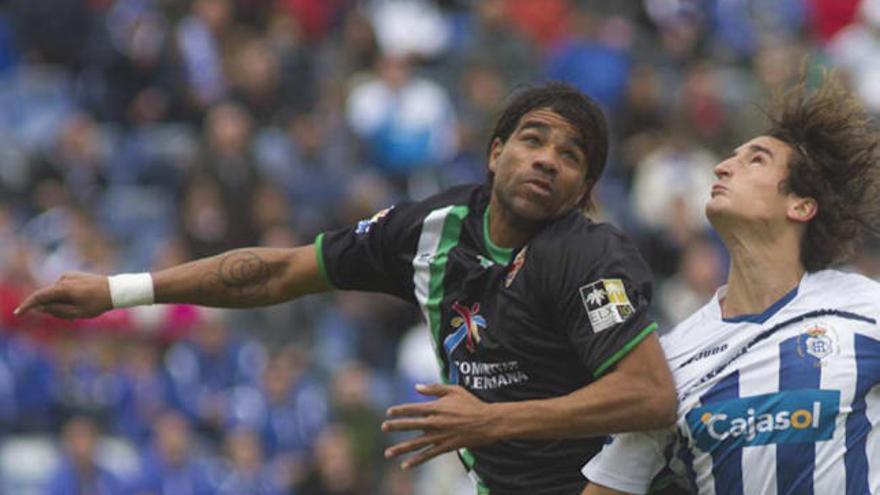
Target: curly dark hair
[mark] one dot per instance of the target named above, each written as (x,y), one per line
(835,162)
(572,105)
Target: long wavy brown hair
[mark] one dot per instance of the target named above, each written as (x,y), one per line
(835,162)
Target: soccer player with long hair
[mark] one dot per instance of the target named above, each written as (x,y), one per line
(539,316)
(778,376)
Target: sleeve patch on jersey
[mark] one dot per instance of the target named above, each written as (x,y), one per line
(364,226)
(606,303)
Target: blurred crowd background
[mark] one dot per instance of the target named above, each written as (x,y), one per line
(137,134)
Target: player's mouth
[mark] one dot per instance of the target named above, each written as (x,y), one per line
(718,189)
(539,186)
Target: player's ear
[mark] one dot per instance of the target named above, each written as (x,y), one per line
(494,153)
(802,209)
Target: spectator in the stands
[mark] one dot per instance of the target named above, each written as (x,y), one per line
(79,472)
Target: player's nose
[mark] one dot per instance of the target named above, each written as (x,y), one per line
(546,162)
(723,168)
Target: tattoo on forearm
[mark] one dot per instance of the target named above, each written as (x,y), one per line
(241,274)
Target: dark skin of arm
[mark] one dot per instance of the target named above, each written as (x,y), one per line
(241,278)
(638,394)
(594,489)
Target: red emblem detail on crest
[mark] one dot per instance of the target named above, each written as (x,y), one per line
(515,267)
(472,322)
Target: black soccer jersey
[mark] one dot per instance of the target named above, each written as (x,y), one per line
(537,322)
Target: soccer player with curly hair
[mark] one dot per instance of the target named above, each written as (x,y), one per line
(778,376)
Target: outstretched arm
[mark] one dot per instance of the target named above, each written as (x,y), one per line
(235,279)
(242,278)
(638,394)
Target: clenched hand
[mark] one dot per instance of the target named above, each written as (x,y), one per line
(73,295)
(457,419)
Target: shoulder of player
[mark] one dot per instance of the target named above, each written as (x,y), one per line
(577,235)
(417,211)
(845,291)
(836,284)
(691,333)
(831,277)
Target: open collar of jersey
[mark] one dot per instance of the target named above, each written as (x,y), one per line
(761,317)
(500,255)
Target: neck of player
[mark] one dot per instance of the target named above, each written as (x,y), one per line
(506,229)
(764,267)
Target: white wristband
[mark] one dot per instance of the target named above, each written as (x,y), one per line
(131,289)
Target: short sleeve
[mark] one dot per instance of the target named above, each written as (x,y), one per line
(630,461)
(604,298)
(373,255)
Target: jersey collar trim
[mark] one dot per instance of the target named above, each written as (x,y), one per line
(498,254)
(767,313)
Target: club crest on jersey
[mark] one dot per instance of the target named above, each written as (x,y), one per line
(467,325)
(364,226)
(606,303)
(818,341)
(516,266)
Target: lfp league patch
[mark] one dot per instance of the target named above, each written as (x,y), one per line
(364,226)
(606,303)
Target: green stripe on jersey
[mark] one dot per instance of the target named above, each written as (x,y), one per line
(623,351)
(468,459)
(441,230)
(499,254)
(319,253)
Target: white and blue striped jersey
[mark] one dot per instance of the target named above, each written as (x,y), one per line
(784,402)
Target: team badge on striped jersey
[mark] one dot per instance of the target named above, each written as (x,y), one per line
(606,303)
(818,341)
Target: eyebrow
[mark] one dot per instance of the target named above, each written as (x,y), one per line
(534,124)
(543,127)
(754,148)
(757,148)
